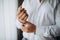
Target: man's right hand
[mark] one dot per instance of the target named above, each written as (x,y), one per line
(22,14)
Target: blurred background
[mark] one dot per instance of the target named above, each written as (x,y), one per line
(8,29)
(8,9)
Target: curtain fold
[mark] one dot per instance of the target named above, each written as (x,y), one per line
(8,9)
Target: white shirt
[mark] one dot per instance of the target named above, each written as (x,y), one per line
(42,15)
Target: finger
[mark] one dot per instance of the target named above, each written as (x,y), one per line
(22,21)
(19,11)
(20,8)
(24,15)
(26,18)
(20,15)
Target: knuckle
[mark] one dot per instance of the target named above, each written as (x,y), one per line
(22,9)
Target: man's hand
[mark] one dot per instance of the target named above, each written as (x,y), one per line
(22,14)
(22,17)
(28,27)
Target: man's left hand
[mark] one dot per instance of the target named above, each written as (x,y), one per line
(28,27)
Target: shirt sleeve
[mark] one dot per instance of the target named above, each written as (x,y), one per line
(53,30)
(18,24)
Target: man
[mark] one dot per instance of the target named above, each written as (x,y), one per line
(42,23)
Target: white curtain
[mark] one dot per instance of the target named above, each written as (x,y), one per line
(8,9)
